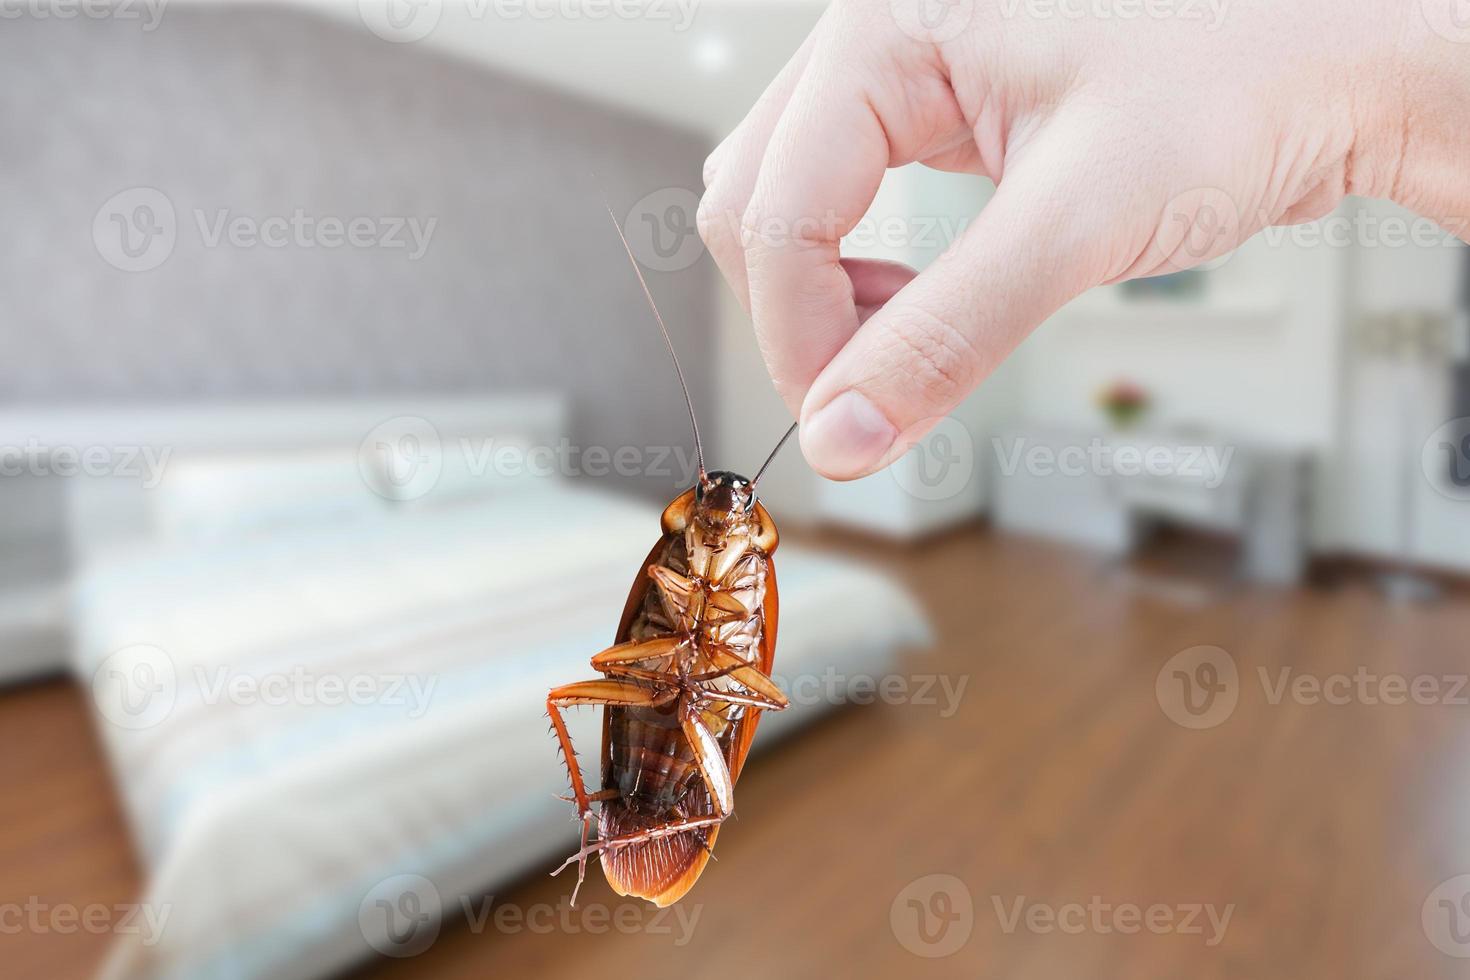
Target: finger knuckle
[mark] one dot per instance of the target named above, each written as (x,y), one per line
(761,228)
(712,166)
(711,220)
(753,224)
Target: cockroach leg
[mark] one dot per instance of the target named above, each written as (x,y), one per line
(641,837)
(732,697)
(641,660)
(709,756)
(601,796)
(678,513)
(599,692)
(639,652)
(763,691)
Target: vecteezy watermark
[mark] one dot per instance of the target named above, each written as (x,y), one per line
(405,458)
(932,21)
(401,916)
(1208,465)
(939,466)
(407,21)
(1446,917)
(662,230)
(137,229)
(39,917)
(892,231)
(139,687)
(1198,688)
(1365,687)
(933,916)
(1450,19)
(1446,459)
(136,687)
(306,688)
(402,458)
(940,691)
(1100,917)
(401,21)
(148,13)
(1209,12)
(1362,228)
(35,458)
(1198,230)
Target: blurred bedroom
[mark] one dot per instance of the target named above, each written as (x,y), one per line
(335,424)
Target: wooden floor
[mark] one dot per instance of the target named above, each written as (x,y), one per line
(1059,781)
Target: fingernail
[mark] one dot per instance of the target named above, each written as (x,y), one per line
(847,436)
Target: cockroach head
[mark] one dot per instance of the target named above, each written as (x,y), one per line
(722,497)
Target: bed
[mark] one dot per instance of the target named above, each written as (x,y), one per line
(303,717)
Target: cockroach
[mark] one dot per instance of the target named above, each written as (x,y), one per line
(684,684)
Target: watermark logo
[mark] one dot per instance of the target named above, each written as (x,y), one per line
(932,21)
(401,21)
(1446,459)
(301,230)
(136,687)
(148,12)
(933,916)
(662,232)
(940,465)
(404,459)
(1207,465)
(1362,228)
(1103,918)
(1365,687)
(1210,12)
(1201,687)
(400,916)
(146,464)
(943,692)
(413,693)
(1198,230)
(1450,19)
(1446,917)
(39,917)
(135,230)
(401,459)
(1198,688)
(407,21)
(628,918)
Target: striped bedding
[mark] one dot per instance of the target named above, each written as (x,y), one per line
(268,803)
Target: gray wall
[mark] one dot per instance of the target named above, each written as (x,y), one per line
(264,110)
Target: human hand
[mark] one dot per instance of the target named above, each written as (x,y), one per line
(1121,147)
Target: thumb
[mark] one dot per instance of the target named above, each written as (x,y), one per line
(913,361)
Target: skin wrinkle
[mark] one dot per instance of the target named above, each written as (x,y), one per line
(944,361)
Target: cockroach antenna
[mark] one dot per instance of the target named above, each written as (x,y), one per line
(668,342)
(762,470)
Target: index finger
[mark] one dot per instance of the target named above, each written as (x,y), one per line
(817,179)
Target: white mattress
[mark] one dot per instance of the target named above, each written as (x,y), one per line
(265,823)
